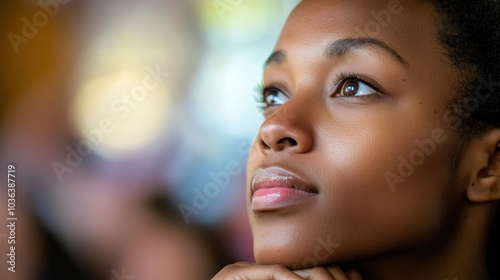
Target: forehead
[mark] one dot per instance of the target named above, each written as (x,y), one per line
(410,27)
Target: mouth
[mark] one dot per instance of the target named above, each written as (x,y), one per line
(275,188)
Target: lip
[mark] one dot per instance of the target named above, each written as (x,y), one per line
(275,188)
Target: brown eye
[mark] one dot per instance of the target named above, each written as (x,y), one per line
(354,88)
(350,88)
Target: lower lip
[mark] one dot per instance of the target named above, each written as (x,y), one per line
(268,199)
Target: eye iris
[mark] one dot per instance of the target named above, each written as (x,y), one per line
(272,98)
(350,88)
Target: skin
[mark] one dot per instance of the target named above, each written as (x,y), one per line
(434,224)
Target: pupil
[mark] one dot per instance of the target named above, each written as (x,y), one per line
(351,88)
(271,99)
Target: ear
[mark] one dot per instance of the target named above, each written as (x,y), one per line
(483,155)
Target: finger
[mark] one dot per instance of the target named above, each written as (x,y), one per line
(244,264)
(316,273)
(354,275)
(338,274)
(256,272)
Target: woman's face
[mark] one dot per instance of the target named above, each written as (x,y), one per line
(353,158)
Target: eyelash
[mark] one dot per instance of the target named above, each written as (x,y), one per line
(342,77)
(260,90)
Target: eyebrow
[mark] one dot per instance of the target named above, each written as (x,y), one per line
(276,57)
(344,46)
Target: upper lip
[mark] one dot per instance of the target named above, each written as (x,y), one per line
(276,177)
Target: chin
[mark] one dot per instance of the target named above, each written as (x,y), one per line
(298,255)
(291,263)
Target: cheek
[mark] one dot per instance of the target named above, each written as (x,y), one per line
(255,159)
(384,188)
(388,186)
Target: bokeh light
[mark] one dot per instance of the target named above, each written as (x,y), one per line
(140,105)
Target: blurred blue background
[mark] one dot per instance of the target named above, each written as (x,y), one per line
(129,123)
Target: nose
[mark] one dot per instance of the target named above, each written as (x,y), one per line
(284,130)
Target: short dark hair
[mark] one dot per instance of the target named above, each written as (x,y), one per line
(469,31)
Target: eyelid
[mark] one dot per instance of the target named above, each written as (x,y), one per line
(343,76)
(261,90)
(275,86)
(274,89)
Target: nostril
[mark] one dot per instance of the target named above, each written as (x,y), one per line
(288,140)
(264,145)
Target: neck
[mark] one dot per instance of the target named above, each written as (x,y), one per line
(457,254)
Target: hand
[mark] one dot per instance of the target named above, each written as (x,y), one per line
(251,271)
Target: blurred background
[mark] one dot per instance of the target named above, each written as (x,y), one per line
(129,124)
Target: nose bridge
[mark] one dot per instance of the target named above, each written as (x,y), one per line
(288,128)
(287,115)
(297,112)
